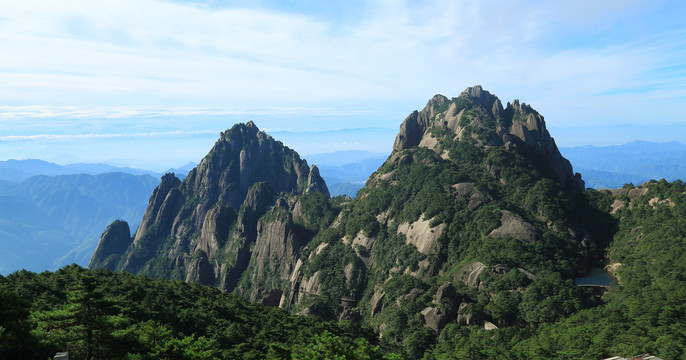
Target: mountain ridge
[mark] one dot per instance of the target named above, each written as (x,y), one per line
(468,184)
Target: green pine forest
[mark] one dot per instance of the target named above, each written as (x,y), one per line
(105,315)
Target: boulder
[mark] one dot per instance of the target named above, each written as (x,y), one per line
(513,225)
(470,274)
(377,303)
(436,318)
(115,240)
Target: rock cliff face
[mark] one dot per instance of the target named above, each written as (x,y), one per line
(114,241)
(204,229)
(479,114)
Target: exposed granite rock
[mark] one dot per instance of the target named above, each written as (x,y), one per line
(631,193)
(467,190)
(315,183)
(274,254)
(470,274)
(477,200)
(377,303)
(187,224)
(409,297)
(489,325)
(157,199)
(463,190)
(463,314)
(447,304)
(215,229)
(517,127)
(114,241)
(513,225)
(447,291)
(413,127)
(199,270)
(421,234)
(436,318)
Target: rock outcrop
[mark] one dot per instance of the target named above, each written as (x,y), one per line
(114,241)
(513,225)
(470,274)
(205,228)
(517,126)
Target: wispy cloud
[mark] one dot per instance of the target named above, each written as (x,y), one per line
(123,112)
(119,66)
(76,137)
(160,52)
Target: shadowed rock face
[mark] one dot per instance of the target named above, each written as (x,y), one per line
(517,126)
(513,225)
(188,225)
(115,240)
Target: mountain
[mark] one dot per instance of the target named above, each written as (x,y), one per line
(475,212)
(50,221)
(635,162)
(344,157)
(20,170)
(210,227)
(182,171)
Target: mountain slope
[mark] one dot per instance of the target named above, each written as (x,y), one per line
(474,212)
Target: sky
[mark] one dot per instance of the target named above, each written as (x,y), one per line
(151,83)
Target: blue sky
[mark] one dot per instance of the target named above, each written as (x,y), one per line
(152,83)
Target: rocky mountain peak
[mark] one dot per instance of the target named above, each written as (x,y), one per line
(478,94)
(478,116)
(242,176)
(115,240)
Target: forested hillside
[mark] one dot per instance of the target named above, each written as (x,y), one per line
(105,315)
(644,313)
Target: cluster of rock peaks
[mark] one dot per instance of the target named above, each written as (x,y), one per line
(517,126)
(255,219)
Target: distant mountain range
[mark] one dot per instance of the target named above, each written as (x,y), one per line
(20,170)
(346,172)
(635,162)
(53,215)
(50,221)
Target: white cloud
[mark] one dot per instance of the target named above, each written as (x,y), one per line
(77,137)
(114,59)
